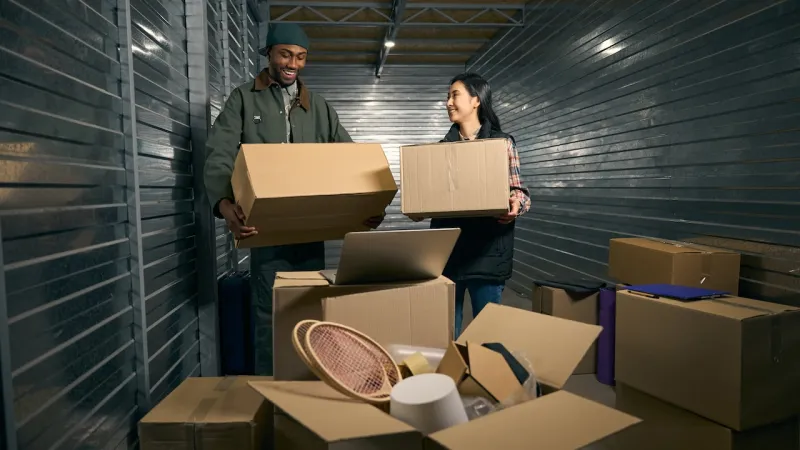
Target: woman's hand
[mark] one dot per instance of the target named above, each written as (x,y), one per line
(511,215)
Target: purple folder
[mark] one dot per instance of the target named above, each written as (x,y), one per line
(605,343)
(685,293)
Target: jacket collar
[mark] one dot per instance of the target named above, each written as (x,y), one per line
(454,135)
(264,81)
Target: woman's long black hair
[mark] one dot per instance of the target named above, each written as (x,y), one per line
(477,86)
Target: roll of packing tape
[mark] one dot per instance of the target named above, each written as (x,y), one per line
(429,402)
(417,364)
(400,352)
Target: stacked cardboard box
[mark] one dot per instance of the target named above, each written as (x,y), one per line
(211,414)
(568,304)
(705,373)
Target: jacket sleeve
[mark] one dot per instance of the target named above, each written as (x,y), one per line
(338,133)
(221,147)
(519,191)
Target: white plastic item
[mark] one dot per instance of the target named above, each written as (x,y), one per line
(400,352)
(428,402)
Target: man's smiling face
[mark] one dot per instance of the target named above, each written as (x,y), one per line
(285,61)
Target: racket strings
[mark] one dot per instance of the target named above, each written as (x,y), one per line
(352,361)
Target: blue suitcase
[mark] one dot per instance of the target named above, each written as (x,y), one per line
(236,325)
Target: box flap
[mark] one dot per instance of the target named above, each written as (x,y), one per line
(491,370)
(554,346)
(299,279)
(208,400)
(560,420)
(736,308)
(339,168)
(329,414)
(454,363)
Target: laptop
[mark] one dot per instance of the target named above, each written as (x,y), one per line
(370,257)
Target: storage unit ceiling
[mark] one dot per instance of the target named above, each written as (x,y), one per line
(423,32)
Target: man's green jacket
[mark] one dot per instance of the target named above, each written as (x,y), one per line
(255,114)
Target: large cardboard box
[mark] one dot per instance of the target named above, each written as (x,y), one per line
(413,313)
(733,360)
(210,414)
(580,307)
(454,179)
(296,193)
(311,415)
(651,261)
(667,427)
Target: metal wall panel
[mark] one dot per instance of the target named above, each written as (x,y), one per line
(234,52)
(676,120)
(98,217)
(165,178)
(225,251)
(405,106)
(65,243)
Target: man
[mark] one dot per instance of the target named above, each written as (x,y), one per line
(274,108)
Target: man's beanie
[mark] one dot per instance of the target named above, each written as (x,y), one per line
(286,34)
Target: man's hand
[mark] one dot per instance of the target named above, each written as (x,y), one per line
(234,217)
(375,221)
(512,214)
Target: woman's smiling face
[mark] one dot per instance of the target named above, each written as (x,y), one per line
(460,104)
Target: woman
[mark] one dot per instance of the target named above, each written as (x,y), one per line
(482,259)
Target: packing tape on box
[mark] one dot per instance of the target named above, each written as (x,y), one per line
(199,414)
(776,332)
(450,154)
(706,255)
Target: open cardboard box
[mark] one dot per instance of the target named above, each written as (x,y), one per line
(480,372)
(313,415)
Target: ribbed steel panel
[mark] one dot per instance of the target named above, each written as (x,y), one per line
(237,31)
(166,193)
(405,106)
(673,119)
(64,219)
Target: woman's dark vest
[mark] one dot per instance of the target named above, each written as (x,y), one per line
(485,248)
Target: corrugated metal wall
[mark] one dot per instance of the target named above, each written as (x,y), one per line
(68,368)
(166,208)
(405,106)
(237,46)
(648,118)
(107,293)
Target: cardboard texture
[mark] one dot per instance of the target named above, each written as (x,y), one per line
(479,371)
(733,360)
(296,193)
(209,414)
(413,313)
(579,307)
(313,415)
(650,261)
(667,427)
(455,179)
